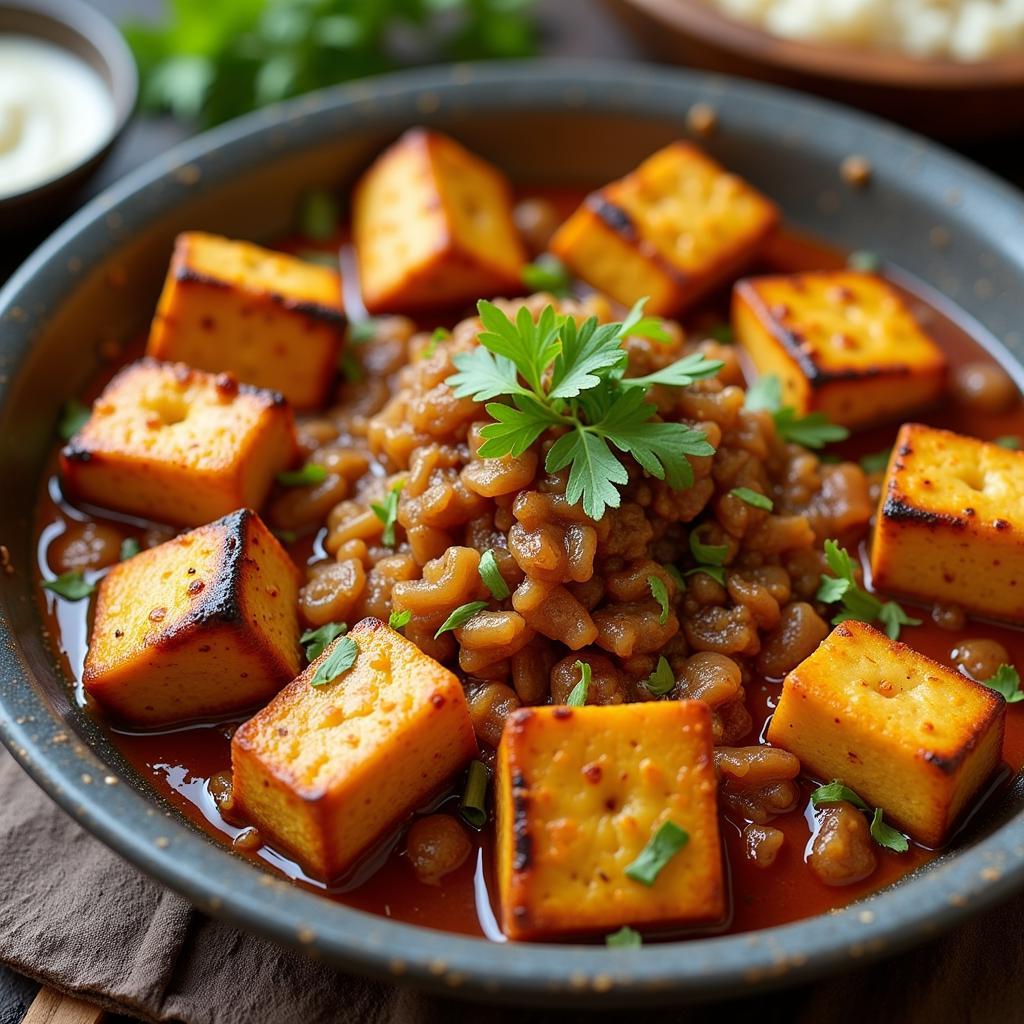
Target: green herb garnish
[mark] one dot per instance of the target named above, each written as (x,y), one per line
(399,620)
(440,334)
(387,513)
(812,431)
(884,835)
(71,585)
(460,616)
(722,333)
(662,679)
(547,274)
(1007,682)
(209,62)
(677,576)
(857,603)
(473,805)
(130,547)
(709,557)
(1009,441)
(491,575)
(286,536)
(624,938)
(864,260)
(362,332)
(555,374)
(73,416)
(660,849)
(753,498)
(310,474)
(341,658)
(317,640)
(660,594)
(578,695)
(318,215)
(876,462)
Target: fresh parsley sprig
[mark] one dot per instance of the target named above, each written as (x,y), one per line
(387,513)
(812,431)
(553,373)
(857,603)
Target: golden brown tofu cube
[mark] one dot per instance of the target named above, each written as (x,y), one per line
(841,342)
(177,445)
(201,625)
(432,226)
(271,319)
(325,771)
(950,525)
(673,230)
(580,792)
(907,734)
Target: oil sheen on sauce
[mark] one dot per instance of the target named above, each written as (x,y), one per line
(179,763)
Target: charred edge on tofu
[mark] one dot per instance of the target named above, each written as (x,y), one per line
(523,844)
(897,510)
(335,317)
(793,343)
(222,603)
(618,220)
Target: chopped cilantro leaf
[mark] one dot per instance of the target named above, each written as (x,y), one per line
(1007,682)
(624,938)
(71,585)
(660,594)
(73,416)
(812,431)
(547,274)
(318,215)
(707,554)
(491,575)
(460,616)
(875,462)
(317,640)
(341,658)
(662,679)
(660,849)
(753,498)
(399,620)
(308,476)
(130,547)
(864,260)
(578,695)
(1009,441)
(387,513)
(885,835)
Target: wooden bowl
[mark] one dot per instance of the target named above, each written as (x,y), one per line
(942,98)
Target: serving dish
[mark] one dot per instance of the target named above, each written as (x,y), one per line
(84,32)
(940,98)
(132,236)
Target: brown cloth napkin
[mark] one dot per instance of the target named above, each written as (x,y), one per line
(75,916)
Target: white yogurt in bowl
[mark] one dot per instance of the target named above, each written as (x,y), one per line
(55,112)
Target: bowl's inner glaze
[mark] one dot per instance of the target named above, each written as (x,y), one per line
(99,280)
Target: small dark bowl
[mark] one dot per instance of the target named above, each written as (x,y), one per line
(82,30)
(98,278)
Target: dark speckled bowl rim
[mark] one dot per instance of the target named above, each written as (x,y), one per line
(220,884)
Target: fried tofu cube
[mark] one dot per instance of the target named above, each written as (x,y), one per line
(950,525)
(202,625)
(841,342)
(674,229)
(432,226)
(907,734)
(325,771)
(177,445)
(271,319)
(580,792)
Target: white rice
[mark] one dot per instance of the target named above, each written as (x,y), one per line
(966,30)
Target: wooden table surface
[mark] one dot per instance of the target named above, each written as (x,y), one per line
(572,28)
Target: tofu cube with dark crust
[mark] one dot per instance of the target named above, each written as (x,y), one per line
(950,524)
(842,342)
(271,319)
(580,792)
(905,733)
(674,229)
(202,625)
(325,771)
(177,445)
(432,226)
